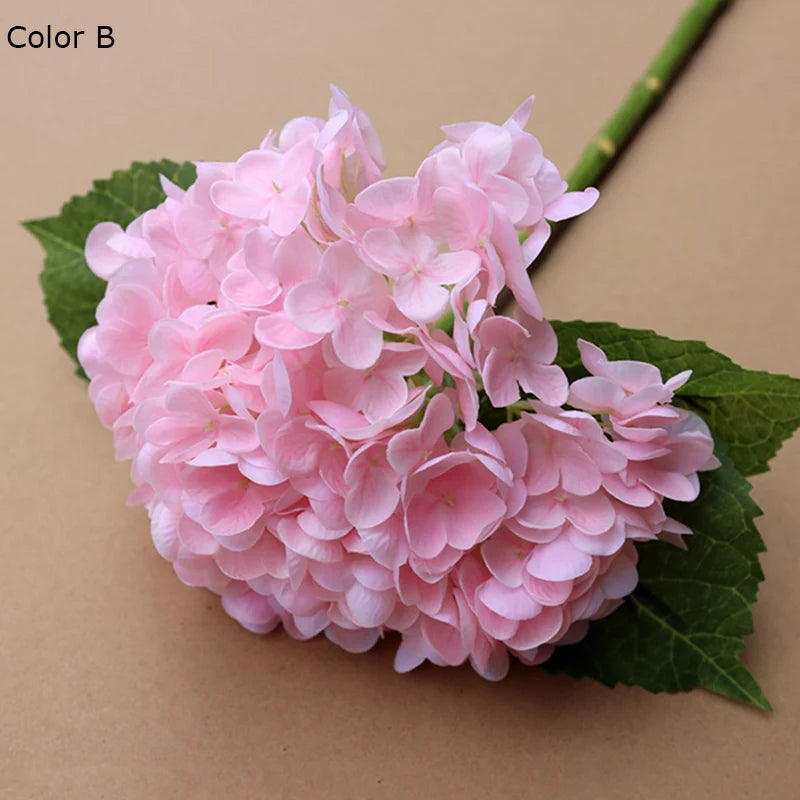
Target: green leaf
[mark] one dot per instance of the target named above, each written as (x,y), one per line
(685,623)
(752,411)
(71,290)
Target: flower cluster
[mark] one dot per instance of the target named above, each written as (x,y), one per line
(311,446)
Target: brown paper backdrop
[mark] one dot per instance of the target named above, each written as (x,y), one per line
(117,681)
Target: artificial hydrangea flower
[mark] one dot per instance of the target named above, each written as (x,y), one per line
(309,445)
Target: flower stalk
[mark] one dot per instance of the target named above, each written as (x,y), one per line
(607,145)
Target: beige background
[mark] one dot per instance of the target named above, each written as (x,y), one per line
(117,681)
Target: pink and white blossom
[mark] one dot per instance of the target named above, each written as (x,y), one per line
(310,446)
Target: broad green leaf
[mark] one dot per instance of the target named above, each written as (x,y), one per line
(752,411)
(685,623)
(71,290)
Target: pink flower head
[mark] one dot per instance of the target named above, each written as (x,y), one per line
(313,448)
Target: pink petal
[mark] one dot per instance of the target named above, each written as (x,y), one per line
(236,435)
(353,641)
(455,267)
(677,381)
(258,169)
(505,240)
(504,555)
(548,593)
(190,401)
(131,246)
(389,199)
(296,259)
(592,513)
(523,112)
(596,395)
(277,330)
(487,151)
(102,259)
(372,575)
(670,484)
(637,494)
(407,448)
(369,608)
(429,597)
(410,654)
(571,204)
(288,208)
(297,540)
(535,242)
(251,610)
(510,603)
(509,194)
(445,640)
(232,511)
(547,381)
(239,201)
(598,544)
(262,558)
(372,500)
(164,531)
(382,394)
(339,417)
(386,543)
(296,446)
(383,246)
(243,289)
(500,379)
(558,560)
(260,468)
(542,628)
(214,457)
(352,280)
(313,307)
(543,512)
(196,538)
(495,625)
(462,214)
(357,342)
(313,526)
(494,665)
(419,298)
(620,579)
(579,473)
(633,376)
(426,526)
(476,513)
(198,230)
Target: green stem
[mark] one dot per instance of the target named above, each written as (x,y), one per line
(645,94)
(607,145)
